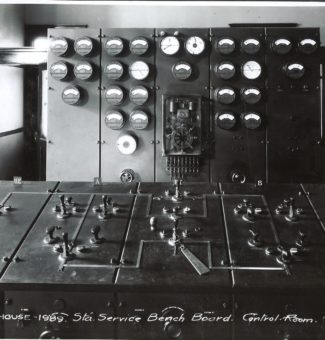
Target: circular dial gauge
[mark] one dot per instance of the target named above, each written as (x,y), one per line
(59,70)
(225,70)
(139,45)
(225,95)
(139,120)
(114,120)
(83,46)
(195,45)
(114,71)
(281,46)
(114,95)
(139,95)
(294,70)
(225,120)
(251,95)
(71,95)
(225,46)
(126,144)
(251,46)
(252,120)
(139,70)
(307,46)
(114,46)
(169,45)
(83,70)
(182,70)
(251,69)
(59,46)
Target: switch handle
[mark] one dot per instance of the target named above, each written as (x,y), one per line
(197,264)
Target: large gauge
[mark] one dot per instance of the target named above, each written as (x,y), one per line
(251,120)
(59,46)
(83,71)
(225,95)
(195,45)
(307,46)
(139,95)
(126,144)
(114,46)
(225,46)
(71,95)
(251,46)
(83,46)
(139,120)
(281,46)
(114,120)
(251,95)
(114,95)
(294,70)
(251,69)
(59,70)
(170,45)
(139,70)
(225,70)
(114,71)
(182,70)
(139,45)
(225,120)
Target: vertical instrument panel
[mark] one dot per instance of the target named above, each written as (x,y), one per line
(73,101)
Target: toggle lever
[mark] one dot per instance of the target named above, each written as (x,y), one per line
(66,254)
(62,209)
(301,240)
(197,264)
(249,216)
(153,223)
(95,231)
(292,216)
(254,240)
(49,238)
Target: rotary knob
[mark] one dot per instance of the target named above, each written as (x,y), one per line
(294,70)
(225,95)
(226,120)
(251,120)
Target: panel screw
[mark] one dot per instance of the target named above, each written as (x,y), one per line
(8,302)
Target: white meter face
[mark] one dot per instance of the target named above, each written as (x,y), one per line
(139,70)
(169,45)
(126,144)
(195,45)
(251,69)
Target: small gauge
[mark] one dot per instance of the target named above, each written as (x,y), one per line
(307,46)
(139,95)
(71,95)
(126,144)
(139,45)
(195,45)
(251,69)
(139,120)
(251,46)
(114,46)
(83,46)
(225,95)
(59,70)
(251,95)
(225,120)
(170,45)
(182,70)
(225,70)
(114,71)
(83,71)
(281,46)
(139,70)
(294,70)
(114,120)
(59,46)
(114,95)
(225,46)
(251,120)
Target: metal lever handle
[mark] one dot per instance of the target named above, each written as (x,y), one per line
(197,264)
(95,231)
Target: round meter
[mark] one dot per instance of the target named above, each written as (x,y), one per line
(170,45)
(294,70)
(251,69)
(195,45)
(59,70)
(251,95)
(139,120)
(251,120)
(225,95)
(114,71)
(114,95)
(225,120)
(126,144)
(251,46)
(139,70)
(281,46)
(83,46)
(139,95)
(182,70)
(225,46)
(71,95)
(83,70)
(59,46)
(114,46)
(114,120)
(225,70)
(139,45)
(307,46)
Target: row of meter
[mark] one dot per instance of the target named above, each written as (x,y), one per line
(162,261)
(220,104)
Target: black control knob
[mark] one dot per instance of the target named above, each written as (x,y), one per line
(251,46)
(307,46)
(281,46)
(294,70)
(225,45)
(225,95)
(48,334)
(173,330)
(251,120)
(251,95)
(225,120)
(225,70)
